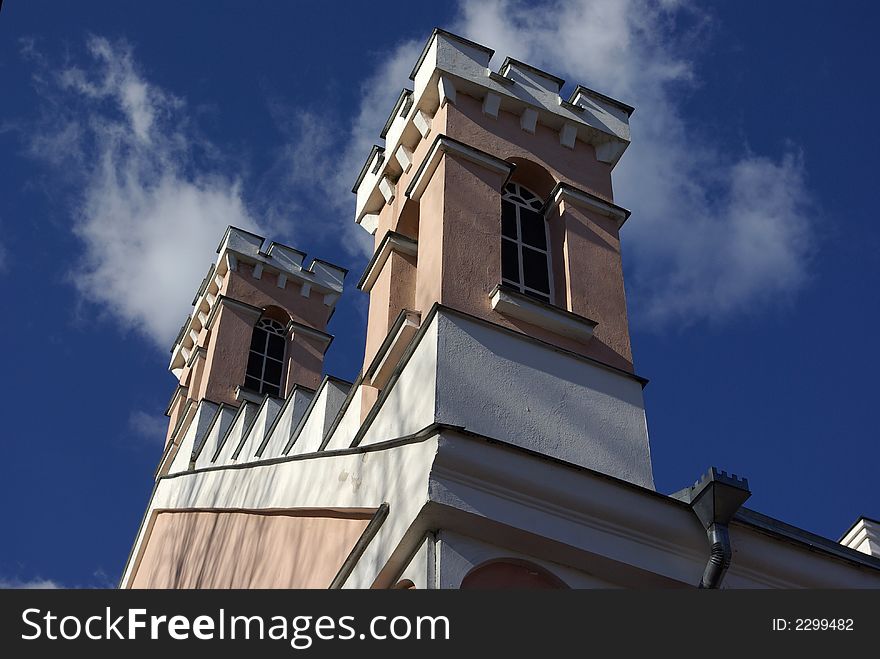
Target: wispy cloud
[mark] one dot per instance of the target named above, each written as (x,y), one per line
(151,203)
(714,233)
(323,153)
(31,584)
(151,427)
(100,579)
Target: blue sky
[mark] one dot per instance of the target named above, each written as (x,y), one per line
(132,133)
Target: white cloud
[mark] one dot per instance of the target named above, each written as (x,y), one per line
(148,218)
(713,233)
(32,584)
(151,427)
(321,157)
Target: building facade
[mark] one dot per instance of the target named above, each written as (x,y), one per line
(496,434)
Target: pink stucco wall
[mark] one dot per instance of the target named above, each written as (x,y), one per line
(503,137)
(264,292)
(224,549)
(393,290)
(458,229)
(227,354)
(229,339)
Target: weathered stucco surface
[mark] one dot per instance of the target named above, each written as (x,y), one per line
(225,549)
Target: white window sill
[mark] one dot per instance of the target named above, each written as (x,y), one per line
(514,304)
(243,394)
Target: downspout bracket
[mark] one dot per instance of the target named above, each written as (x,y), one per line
(715,498)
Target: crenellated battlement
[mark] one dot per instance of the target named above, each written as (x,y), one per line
(282,263)
(450,65)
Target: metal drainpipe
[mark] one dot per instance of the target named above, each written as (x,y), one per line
(715,498)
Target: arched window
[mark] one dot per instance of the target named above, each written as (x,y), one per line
(511,574)
(525,245)
(266,358)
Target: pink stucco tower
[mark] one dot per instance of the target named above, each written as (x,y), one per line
(257,334)
(493,196)
(491,202)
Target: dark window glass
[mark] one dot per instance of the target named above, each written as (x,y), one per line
(524,244)
(533,231)
(527,195)
(538,296)
(275,348)
(535,270)
(508,220)
(509,260)
(255,365)
(272,374)
(266,357)
(258,340)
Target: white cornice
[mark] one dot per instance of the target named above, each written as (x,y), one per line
(285,262)
(388,356)
(864,536)
(570,194)
(443,145)
(450,65)
(320,275)
(392,242)
(322,337)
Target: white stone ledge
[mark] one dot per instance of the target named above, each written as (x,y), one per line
(577,197)
(516,305)
(392,242)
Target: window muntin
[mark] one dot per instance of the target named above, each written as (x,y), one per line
(525,254)
(266,357)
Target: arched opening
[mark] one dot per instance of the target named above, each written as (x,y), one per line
(511,574)
(533,176)
(267,353)
(276,313)
(535,266)
(525,243)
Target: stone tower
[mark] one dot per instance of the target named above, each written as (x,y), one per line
(256,335)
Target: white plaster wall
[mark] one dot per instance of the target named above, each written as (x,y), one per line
(239,426)
(354,480)
(257,433)
(623,534)
(410,405)
(419,570)
(510,388)
(227,414)
(564,505)
(290,418)
(331,396)
(194,433)
(348,424)
(459,554)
